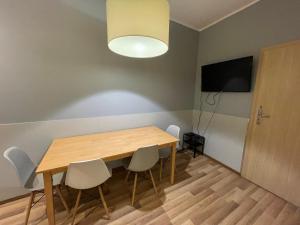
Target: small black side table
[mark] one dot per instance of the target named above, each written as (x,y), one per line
(194,142)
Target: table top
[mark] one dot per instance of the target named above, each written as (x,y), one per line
(108,146)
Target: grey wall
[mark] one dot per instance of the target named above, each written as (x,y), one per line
(55,69)
(264,24)
(55,64)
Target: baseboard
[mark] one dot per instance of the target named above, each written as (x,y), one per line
(14,199)
(223,164)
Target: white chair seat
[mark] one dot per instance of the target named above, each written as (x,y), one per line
(112,165)
(164,153)
(126,162)
(142,160)
(25,169)
(36,181)
(85,175)
(109,170)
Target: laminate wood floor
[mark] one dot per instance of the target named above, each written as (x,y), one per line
(205,192)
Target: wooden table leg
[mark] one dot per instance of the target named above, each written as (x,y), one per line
(49,198)
(173,162)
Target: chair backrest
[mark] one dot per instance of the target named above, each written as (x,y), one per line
(21,162)
(144,158)
(174,131)
(87,174)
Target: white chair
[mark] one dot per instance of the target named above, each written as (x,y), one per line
(25,169)
(142,160)
(85,175)
(165,153)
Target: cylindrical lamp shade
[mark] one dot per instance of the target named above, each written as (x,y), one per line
(138,28)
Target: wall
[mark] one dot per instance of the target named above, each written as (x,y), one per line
(265,23)
(58,78)
(55,64)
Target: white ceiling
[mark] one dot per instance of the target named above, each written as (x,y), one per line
(201,14)
(196,14)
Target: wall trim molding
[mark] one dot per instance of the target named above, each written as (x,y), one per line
(92,117)
(229,15)
(216,21)
(14,198)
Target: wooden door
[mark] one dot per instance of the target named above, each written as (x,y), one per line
(272,150)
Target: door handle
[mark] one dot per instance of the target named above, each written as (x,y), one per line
(261,115)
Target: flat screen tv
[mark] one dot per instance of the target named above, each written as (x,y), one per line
(229,76)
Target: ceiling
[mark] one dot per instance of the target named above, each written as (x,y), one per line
(201,14)
(196,14)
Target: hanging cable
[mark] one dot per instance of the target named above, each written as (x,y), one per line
(200,113)
(214,111)
(214,99)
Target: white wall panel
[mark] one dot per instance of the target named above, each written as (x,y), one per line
(225,137)
(35,137)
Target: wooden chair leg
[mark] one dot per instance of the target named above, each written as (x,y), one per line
(62,198)
(153,182)
(134,188)
(161,169)
(127,176)
(76,206)
(28,209)
(103,202)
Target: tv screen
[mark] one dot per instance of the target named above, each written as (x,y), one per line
(229,76)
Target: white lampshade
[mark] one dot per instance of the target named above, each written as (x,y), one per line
(138,28)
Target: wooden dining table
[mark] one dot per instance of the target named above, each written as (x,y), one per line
(108,146)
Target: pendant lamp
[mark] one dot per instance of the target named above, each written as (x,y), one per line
(138,28)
